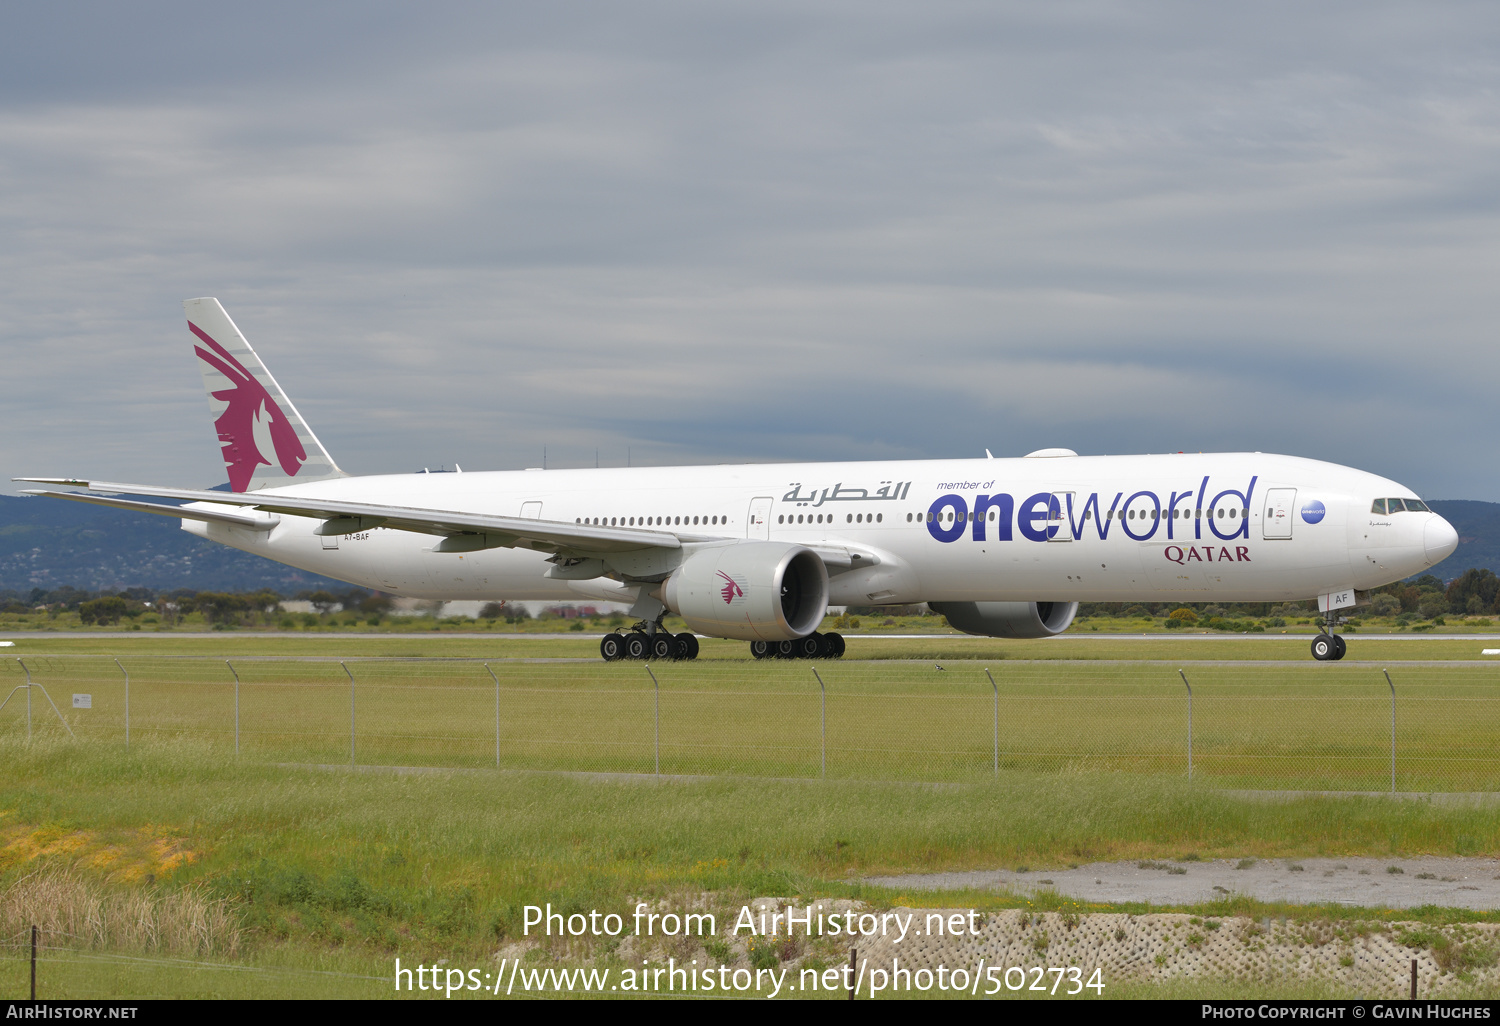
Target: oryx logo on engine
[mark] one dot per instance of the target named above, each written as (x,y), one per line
(731,589)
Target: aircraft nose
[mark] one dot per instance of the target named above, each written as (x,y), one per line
(1439,539)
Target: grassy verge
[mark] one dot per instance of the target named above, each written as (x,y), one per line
(1300,725)
(1172,648)
(340,872)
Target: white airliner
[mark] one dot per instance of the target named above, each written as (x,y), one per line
(1001,547)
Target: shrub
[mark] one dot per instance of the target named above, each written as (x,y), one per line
(1183,615)
(102,610)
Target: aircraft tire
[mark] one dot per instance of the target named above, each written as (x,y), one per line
(761,649)
(1341,645)
(687,645)
(1324,648)
(811,647)
(835,645)
(786,650)
(663,646)
(637,646)
(612,647)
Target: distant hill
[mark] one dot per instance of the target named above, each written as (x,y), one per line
(1478,527)
(46,543)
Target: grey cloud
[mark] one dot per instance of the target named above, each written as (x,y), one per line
(760,232)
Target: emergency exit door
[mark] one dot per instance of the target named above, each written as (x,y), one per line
(758,521)
(1280,505)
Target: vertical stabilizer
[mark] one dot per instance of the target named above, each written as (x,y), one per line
(265,441)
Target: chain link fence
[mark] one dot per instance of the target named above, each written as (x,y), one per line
(1276,726)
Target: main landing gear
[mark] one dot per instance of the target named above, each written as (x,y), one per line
(646,640)
(814,646)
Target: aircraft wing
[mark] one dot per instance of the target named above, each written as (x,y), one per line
(499,531)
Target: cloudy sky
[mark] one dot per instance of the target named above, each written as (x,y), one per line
(702,233)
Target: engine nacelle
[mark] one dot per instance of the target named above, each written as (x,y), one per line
(753,591)
(1009,619)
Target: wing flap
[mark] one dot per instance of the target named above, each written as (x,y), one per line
(544,535)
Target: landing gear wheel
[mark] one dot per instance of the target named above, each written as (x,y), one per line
(1341,645)
(761,649)
(811,647)
(835,645)
(687,645)
(637,646)
(612,647)
(786,650)
(1324,648)
(663,646)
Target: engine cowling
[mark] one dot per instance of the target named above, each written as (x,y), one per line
(1009,619)
(753,591)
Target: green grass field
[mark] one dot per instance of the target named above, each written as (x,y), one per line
(1161,646)
(328,875)
(1269,723)
(331,872)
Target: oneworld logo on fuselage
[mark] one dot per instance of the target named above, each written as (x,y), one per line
(1141,515)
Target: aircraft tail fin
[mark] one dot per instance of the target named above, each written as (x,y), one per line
(264,440)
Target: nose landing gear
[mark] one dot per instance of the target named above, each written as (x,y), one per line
(1328,646)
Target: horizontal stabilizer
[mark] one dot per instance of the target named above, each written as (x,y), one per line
(208,516)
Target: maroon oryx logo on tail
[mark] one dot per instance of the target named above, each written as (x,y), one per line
(250,406)
(731,589)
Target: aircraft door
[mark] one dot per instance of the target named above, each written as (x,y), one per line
(1280,504)
(1059,511)
(531,510)
(758,521)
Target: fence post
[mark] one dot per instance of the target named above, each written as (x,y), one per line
(28,696)
(1393,729)
(822,724)
(127,703)
(996,687)
(497,715)
(657,683)
(1190,722)
(236,705)
(28,686)
(351,711)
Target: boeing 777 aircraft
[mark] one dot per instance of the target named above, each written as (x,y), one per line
(1001,547)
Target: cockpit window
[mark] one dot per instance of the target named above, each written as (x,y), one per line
(1385,506)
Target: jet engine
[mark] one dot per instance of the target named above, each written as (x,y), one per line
(1009,619)
(753,591)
